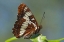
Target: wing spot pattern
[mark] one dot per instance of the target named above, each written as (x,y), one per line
(25,9)
(25,24)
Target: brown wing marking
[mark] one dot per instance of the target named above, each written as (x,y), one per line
(34,21)
(20,20)
(29,31)
(17,26)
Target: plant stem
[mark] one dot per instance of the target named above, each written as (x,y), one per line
(11,39)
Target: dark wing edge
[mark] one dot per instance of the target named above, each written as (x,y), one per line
(20,20)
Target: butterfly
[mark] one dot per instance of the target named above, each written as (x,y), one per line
(26,24)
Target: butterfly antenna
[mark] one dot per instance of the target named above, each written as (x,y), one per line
(42,18)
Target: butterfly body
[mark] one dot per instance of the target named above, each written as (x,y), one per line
(26,24)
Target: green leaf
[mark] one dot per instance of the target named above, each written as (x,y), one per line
(11,39)
(40,38)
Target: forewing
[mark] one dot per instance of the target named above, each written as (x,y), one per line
(26,24)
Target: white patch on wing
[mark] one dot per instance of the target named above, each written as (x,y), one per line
(29,22)
(33,24)
(28,13)
(32,19)
(25,9)
(25,24)
(22,32)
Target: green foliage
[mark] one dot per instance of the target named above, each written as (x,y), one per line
(40,38)
(11,39)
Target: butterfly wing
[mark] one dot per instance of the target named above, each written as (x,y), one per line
(26,24)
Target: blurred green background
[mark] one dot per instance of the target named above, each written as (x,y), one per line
(53,23)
